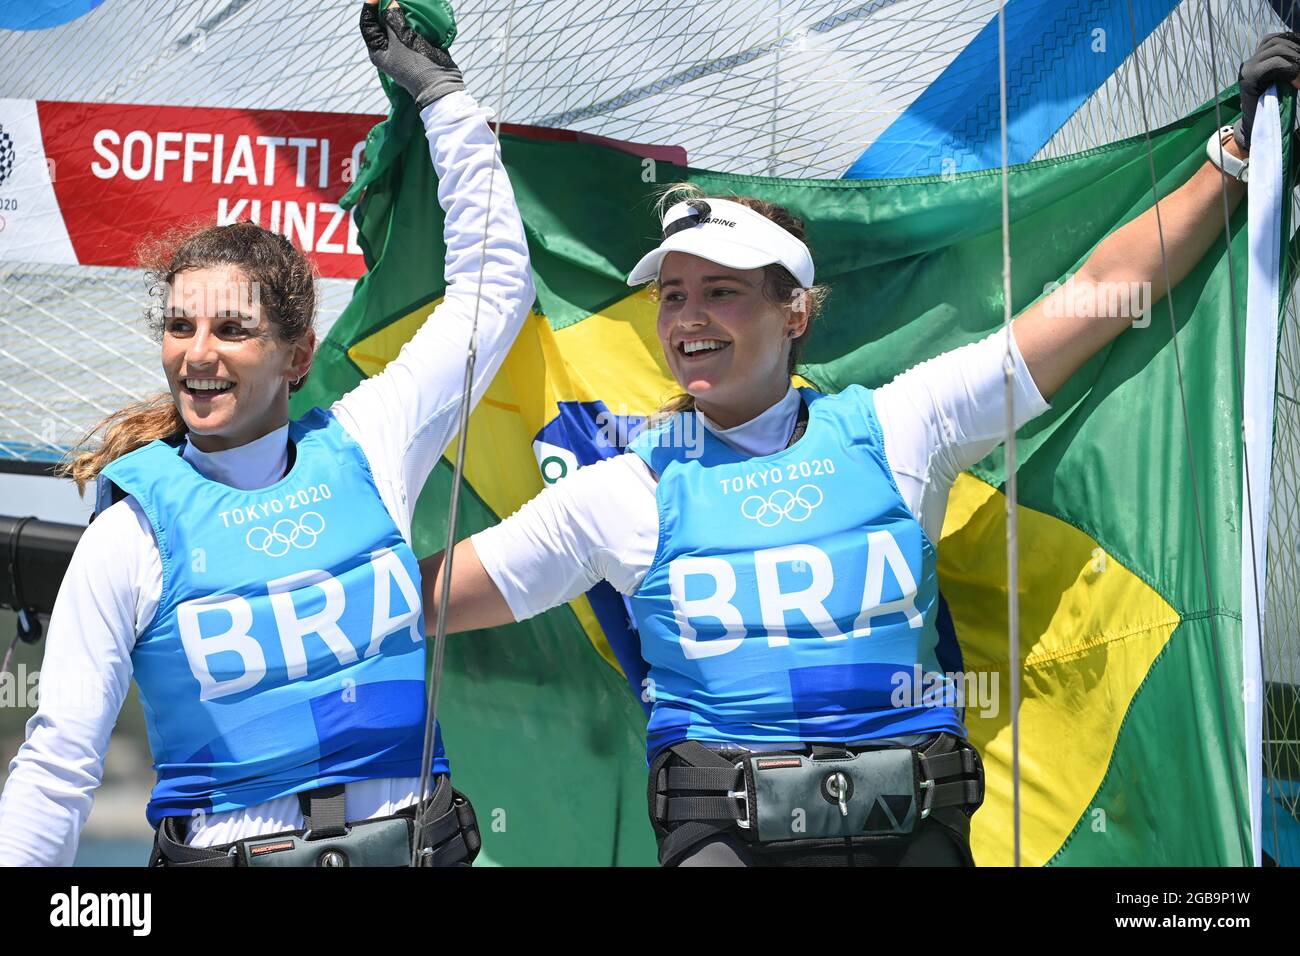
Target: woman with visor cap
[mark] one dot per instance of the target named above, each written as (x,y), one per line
(782,576)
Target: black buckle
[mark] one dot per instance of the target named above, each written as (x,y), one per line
(742,796)
(927,797)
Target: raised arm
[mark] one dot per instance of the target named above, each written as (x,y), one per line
(405,416)
(1054,341)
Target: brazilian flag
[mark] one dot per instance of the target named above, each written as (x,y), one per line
(1133,720)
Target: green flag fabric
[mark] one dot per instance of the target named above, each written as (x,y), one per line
(1132,719)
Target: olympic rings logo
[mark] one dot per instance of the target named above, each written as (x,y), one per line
(277,540)
(781,504)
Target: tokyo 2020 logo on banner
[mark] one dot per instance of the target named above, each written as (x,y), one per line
(8,154)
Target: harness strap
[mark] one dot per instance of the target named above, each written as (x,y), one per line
(702,764)
(711,780)
(705,778)
(449,831)
(324,811)
(169,849)
(956,794)
(962,763)
(468,821)
(697,755)
(682,840)
(677,809)
(948,765)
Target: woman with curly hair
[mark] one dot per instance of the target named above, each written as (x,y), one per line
(255,574)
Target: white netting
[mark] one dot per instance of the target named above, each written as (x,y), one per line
(752,86)
(1280,644)
(1176,67)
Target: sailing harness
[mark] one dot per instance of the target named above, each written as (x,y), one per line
(448,836)
(812,802)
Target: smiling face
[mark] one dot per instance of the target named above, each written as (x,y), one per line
(227,367)
(727,343)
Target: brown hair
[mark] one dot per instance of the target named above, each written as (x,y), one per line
(285,281)
(779,285)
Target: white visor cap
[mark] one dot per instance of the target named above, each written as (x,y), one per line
(729,234)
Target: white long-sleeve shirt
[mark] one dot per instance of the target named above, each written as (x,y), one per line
(602,522)
(402,418)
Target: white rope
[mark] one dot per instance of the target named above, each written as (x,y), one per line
(1238,367)
(453,505)
(1009,443)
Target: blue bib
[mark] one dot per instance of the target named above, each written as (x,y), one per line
(287,652)
(792,597)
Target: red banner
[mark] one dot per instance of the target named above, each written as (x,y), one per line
(122,173)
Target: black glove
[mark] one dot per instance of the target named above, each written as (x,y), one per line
(1276,60)
(425,71)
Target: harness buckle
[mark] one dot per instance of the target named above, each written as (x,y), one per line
(742,797)
(927,797)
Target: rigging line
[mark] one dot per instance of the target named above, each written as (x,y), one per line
(453,505)
(776,93)
(709,67)
(177,47)
(1009,442)
(1238,367)
(1182,393)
